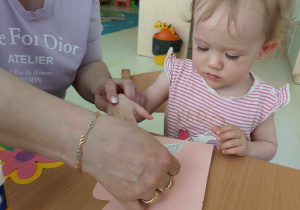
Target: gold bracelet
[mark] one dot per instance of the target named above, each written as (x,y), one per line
(82,140)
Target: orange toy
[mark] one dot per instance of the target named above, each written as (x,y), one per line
(163,40)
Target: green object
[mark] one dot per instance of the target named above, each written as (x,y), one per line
(7,148)
(133,5)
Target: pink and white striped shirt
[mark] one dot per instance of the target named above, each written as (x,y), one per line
(195,107)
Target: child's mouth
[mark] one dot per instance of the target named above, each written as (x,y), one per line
(212,77)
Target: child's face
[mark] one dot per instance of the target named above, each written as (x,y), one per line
(224,60)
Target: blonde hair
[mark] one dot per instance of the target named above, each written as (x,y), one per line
(274,12)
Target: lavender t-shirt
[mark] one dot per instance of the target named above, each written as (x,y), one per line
(46,48)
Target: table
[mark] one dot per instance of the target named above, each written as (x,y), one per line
(233,183)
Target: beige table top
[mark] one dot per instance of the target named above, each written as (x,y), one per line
(233,183)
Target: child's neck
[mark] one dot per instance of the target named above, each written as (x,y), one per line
(238,90)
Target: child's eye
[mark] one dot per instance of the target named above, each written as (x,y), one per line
(232,57)
(202,49)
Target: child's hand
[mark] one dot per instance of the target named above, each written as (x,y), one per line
(127,110)
(233,138)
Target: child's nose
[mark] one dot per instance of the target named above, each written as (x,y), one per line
(215,62)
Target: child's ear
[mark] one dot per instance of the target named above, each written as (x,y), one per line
(267,48)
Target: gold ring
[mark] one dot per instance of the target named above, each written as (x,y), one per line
(169,186)
(152,200)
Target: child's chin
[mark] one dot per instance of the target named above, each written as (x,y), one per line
(214,84)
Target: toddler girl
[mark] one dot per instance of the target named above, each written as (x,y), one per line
(215,94)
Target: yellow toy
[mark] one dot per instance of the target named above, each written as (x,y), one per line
(162,25)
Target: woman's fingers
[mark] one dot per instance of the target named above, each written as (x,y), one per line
(134,164)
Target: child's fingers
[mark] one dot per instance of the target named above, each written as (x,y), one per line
(234,151)
(142,112)
(225,129)
(228,135)
(215,129)
(233,147)
(229,144)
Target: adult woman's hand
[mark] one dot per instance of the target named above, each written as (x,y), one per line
(125,159)
(93,82)
(108,90)
(129,162)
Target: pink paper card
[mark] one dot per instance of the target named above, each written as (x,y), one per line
(189,189)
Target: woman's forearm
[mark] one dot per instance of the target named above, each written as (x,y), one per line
(36,121)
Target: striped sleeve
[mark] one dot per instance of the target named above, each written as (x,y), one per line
(169,63)
(281,98)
